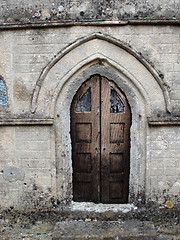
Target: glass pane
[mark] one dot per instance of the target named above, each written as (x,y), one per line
(84,103)
(117,105)
(3,96)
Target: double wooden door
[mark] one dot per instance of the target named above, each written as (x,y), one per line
(100,133)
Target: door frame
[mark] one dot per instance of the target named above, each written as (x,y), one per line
(138,132)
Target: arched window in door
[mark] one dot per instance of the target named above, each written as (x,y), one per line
(100,132)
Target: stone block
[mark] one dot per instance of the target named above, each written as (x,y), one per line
(11,174)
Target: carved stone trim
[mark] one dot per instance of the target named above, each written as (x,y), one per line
(18,122)
(89,23)
(164,122)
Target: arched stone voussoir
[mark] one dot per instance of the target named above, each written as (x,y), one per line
(111,49)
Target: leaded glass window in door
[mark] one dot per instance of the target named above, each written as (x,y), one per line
(84,103)
(117,105)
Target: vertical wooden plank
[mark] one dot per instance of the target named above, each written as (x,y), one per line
(95,85)
(105,132)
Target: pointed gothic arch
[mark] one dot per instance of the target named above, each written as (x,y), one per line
(156,75)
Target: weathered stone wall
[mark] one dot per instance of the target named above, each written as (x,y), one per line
(35,152)
(36,11)
(165,164)
(27,167)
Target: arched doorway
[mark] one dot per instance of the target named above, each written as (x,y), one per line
(100,133)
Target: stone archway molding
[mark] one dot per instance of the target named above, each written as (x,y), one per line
(92,61)
(157,76)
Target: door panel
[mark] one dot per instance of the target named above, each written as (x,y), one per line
(100,131)
(116,162)
(115,125)
(117,132)
(85,133)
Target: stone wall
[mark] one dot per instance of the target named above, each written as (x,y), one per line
(28,168)
(165,164)
(21,12)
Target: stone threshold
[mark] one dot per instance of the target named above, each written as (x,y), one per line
(100,207)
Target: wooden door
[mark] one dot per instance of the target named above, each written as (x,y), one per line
(100,132)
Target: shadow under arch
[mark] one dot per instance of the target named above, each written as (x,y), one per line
(158,77)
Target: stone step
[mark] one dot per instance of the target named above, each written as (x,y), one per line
(104,230)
